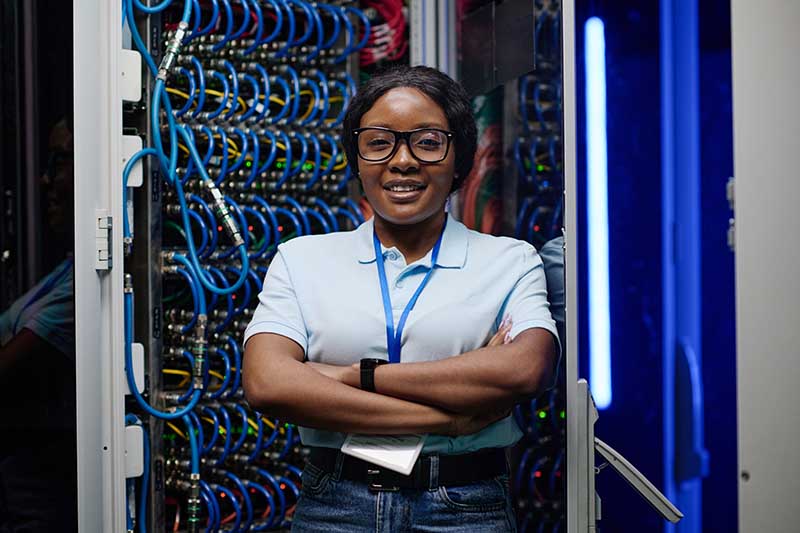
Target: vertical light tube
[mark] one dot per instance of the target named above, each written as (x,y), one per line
(597,216)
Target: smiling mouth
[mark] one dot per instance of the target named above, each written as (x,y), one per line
(404,187)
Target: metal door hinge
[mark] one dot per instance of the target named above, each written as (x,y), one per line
(102,239)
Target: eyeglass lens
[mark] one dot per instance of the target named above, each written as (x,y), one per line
(429,146)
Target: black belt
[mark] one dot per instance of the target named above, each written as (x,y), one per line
(453,470)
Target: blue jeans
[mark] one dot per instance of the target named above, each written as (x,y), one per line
(329,504)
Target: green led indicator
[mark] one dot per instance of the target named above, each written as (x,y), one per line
(542,414)
(248,163)
(563,415)
(539,168)
(280,164)
(251,431)
(308,166)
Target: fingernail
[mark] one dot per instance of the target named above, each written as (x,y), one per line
(507,338)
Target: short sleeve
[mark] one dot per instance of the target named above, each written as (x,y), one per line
(278,308)
(527,303)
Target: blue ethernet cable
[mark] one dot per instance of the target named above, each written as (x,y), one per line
(348,174)
(532,223)
(211,23)
(235,504)
(245,20)
(273,152)
(287,98)
(345,103)
(334,153)
(210,227)
(284,50)
(322,204)
(314,104)
(518,160)
(295,85)
(228,27)
(158,8)
(198,271)
(196,26)
(270,520)
(233,76)
(337,24)
(324,89)
(256,93)
(247,290)
(195,453)
(190,91)
(297,165)
(206,448)
(287,159)
(243,435)
(223,102)
(183,273)
(259,29)
(523,210)
(262,73)
(341,211)
(223,166)
(259,439)
(534,170)
(320,34)
(189,390)
(255,147)
(126,171)
(291,485)
(236,210)
(288,446)
(228,298)
(355,209)
(278,24)
(278,492)
(201,85)
(206,499)
(349,36)
(237,361)
(248,503)
(299,209)
(258,254)
(365,25)
(226,446)
(309,27)
(214,523)
(226,364)
(317,161)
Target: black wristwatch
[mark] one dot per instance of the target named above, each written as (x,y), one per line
(368,366)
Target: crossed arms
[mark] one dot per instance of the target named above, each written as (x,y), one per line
(454,396)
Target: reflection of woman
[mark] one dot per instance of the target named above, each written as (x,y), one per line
(410,135)
(37,374)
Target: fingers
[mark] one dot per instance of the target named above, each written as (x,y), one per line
(503,335)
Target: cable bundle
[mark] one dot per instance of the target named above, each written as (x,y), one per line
(388,40)
(242,119)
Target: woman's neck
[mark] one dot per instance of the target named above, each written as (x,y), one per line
(413,240)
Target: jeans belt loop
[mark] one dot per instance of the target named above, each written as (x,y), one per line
(337,467)
(433,481)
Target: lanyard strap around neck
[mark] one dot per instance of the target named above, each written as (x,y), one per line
(394,339)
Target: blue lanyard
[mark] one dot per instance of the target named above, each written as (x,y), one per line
(393,340)
(43,291)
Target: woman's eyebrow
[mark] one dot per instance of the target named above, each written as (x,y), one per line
(418,126)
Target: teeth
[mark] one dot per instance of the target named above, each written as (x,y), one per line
(404,188)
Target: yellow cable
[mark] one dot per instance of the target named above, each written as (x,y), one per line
(239,99)
(174,428)
(175,372)
(211,421)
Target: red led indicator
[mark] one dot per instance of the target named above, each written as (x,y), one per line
(283,486)
(249,228)
(537,474)
(536,227)
(233,296)
(280,228)
(219,228)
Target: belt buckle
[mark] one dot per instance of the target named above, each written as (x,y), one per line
(372,474)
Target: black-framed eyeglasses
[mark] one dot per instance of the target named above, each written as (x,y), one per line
(427,145)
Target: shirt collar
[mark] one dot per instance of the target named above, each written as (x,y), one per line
(452,254)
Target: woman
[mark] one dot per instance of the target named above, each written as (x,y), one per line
(321,324)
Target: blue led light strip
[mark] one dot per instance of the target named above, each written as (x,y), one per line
(597,215)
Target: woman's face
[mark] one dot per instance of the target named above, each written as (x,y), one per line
(405,109)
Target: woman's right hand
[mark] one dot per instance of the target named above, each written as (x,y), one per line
(462,424)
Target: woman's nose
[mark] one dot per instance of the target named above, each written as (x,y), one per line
(403,160)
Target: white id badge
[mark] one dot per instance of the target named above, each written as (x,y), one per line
(395,452)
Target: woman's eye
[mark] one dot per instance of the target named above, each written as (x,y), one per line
(378,143)
(429,144)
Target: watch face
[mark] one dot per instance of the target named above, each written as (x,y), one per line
(368,363)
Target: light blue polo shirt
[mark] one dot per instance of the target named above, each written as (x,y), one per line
(322,291)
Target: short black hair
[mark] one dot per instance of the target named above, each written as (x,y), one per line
(440,88)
